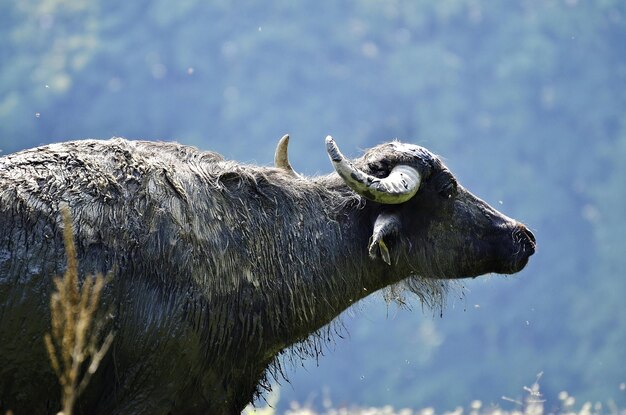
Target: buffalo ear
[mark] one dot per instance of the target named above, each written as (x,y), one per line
(386,225)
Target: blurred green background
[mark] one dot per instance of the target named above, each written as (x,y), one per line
(524,99)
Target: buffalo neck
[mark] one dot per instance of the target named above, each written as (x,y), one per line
(332,270)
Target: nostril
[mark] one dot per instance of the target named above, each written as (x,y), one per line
(525,237)
(529,234)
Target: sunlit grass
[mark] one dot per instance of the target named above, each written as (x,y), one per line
(532,404)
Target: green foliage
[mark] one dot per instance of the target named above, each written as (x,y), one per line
(525,100)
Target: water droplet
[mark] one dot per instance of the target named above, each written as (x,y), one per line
(37,115)
(476,405)
(47,86)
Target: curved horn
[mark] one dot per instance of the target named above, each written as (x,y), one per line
(281,159)
(400,186)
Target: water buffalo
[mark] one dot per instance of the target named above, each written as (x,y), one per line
(221,266)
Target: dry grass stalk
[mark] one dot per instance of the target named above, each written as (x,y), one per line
(74,344)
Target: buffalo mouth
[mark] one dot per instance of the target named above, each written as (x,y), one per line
(524,244)
(510,255)
(506,251)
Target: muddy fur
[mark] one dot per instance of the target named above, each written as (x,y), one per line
(219,267)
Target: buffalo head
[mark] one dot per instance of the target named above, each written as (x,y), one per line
(427,223)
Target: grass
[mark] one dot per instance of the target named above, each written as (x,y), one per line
(76,343)
(533,404)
